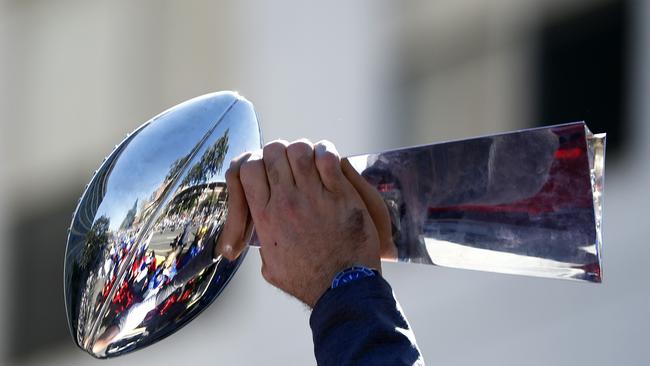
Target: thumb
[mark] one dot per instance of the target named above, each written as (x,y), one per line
(238,226)
(376,207)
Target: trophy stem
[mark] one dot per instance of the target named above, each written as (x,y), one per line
(526,202)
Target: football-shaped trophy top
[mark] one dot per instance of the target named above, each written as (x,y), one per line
(139,261)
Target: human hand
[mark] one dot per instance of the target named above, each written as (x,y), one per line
(236,231)
(310,219)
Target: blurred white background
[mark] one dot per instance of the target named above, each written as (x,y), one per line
(75,76)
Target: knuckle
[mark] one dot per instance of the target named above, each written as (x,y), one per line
(304,140)
(324,142)
(299,148)
(325,150)
(328,163)
(328,157)
(245,171)
(274,148)
(301,156)
(248,177)
(249,167)
(236,162)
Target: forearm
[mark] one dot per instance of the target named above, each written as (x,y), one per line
(360,323)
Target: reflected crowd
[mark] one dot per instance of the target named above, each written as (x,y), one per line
(144,283)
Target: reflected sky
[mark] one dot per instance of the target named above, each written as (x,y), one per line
(143,166)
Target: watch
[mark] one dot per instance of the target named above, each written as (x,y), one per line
(352,274)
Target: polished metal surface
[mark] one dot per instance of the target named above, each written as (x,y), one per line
(139,261)
(525,202)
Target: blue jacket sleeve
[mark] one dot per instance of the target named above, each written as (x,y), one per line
(361,323)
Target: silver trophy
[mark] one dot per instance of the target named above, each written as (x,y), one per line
(139,261)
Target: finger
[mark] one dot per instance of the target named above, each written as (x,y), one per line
(328,164)
(232,239)
(301,159)
(376,207)
(277,166)
(252,174)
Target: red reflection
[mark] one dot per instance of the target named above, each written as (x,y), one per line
(566,187)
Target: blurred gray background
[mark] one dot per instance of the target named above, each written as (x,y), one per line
(75,76)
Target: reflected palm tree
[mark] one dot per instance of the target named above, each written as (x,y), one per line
(210,164)
(96,239)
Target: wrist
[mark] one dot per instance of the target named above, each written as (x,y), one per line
(335,279)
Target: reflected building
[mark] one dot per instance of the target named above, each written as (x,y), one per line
(130,217)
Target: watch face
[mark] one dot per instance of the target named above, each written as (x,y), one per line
(352,274)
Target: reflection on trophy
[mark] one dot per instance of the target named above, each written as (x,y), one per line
(140,258)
